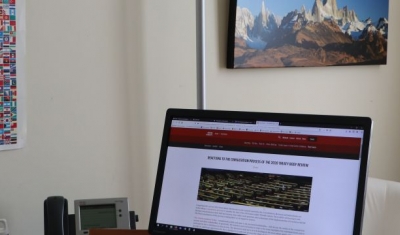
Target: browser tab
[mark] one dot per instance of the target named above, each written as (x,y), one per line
(265,123)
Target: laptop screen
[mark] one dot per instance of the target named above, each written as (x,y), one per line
(223,172)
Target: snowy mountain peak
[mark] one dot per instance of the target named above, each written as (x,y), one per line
(382,22)
(328,9)
(324,9)
(264,14)
(244,22)
(383,27)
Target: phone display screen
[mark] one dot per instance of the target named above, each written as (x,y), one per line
(98,216)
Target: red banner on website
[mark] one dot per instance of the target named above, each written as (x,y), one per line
(274,141)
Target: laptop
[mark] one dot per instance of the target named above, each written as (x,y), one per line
(231,172)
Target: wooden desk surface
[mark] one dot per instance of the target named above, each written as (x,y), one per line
(117,232)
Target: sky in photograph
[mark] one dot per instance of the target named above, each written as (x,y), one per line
(363,8)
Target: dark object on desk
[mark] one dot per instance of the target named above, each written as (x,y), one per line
(133,219)
(56,216)
(71,224)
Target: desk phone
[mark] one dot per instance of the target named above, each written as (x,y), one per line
(101,213)
(89,214)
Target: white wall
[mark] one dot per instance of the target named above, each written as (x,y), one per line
(162,74)
(101,73)
(77,111)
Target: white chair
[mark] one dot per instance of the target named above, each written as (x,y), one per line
(382,208)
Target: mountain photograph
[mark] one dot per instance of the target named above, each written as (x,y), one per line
(307,33)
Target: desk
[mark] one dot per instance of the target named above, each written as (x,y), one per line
(117,232)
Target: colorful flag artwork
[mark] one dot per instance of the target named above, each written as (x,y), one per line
(9,75)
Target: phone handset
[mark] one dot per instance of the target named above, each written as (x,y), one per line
(4,227)
(56,216)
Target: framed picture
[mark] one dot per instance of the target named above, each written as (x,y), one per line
(307,33)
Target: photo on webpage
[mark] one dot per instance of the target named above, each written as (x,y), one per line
(285,192)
